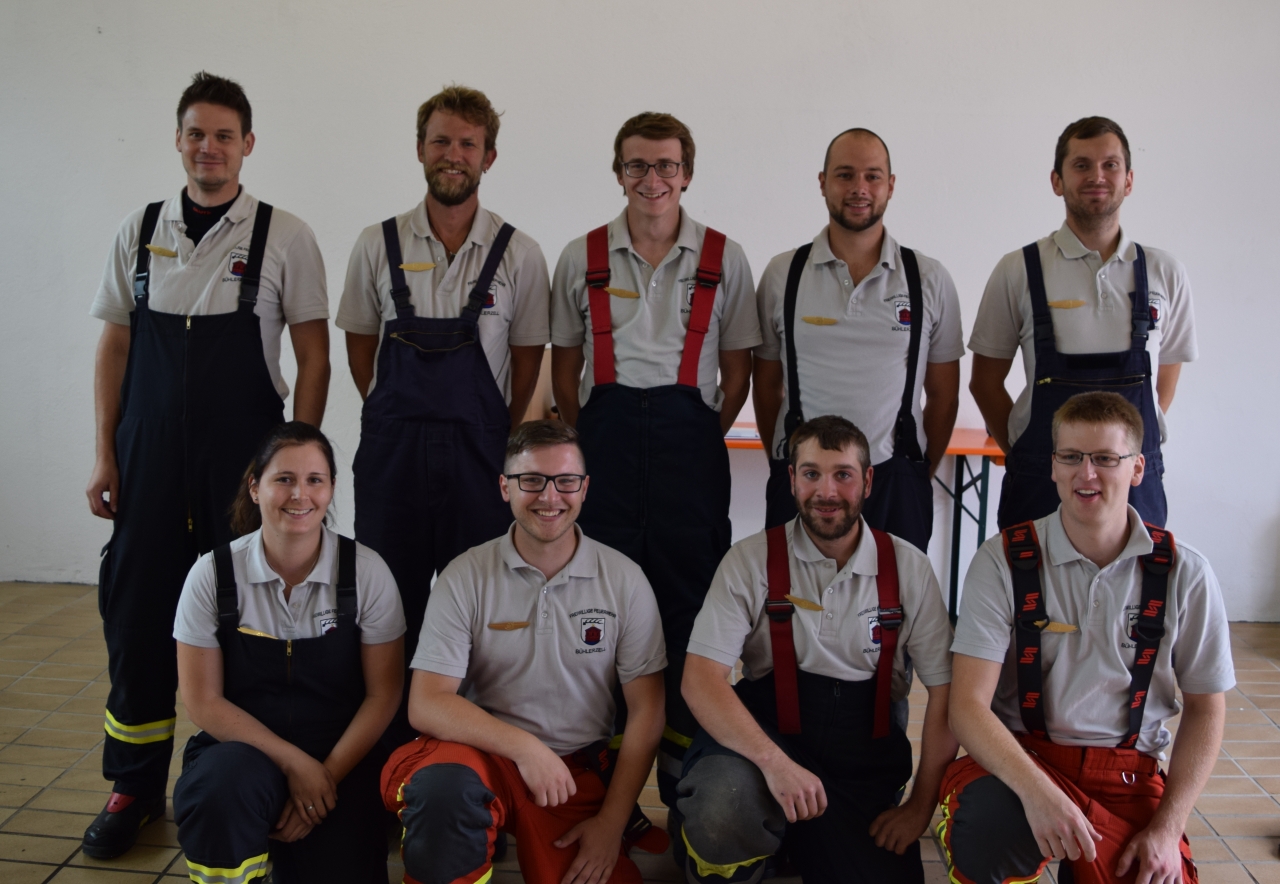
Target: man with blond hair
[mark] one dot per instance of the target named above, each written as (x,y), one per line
(445,311)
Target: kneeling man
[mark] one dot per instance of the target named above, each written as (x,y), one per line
(824,612)
(1075,632)
(543,624)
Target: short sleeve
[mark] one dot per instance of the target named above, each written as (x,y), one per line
(304,293)
(729,612)
(1202,650)
(114,300)
(739,322)
(929,641)
(641,650)
(997,329)
(1178,338)
(530,321)
(772,289)
(381,616)
(444,645)
(985,624)
(568,320)
(946,338)
(360,309)
(196,622)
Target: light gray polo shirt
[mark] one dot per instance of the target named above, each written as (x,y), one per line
(1091,309)
(650,309)
(202,279)
(842,640)
(543,655)
(516,313)
(851,341)
(1086,673)
(312,608)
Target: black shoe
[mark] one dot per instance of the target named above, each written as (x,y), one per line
(115,830)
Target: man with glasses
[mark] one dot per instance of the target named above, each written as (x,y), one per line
(670,309)
(1076,632)
(1091,310)
(543,624)
(856,325)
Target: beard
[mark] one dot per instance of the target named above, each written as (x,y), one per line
(837,215)
(826,529)
(449,191)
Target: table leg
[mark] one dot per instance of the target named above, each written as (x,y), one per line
(957,510)
(982,500)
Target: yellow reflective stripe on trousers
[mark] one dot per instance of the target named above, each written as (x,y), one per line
(676,737)
(483,879)
(151,732)
(254,867)
(705,868)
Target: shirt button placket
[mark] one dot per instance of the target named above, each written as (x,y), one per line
(544,613)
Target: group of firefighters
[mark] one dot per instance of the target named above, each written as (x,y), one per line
(566,592)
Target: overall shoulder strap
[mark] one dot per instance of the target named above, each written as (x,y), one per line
(142,269)
(251,279)
(1022,551)
(780,611)
(905,441)
(395,260)
(795,412)
(346,579)
(1148,630)
(1044,339)
(890,619)
(704,295)
(480,293)
(228,594)
(598,301)
(1141,298)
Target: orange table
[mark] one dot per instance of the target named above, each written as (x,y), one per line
(965,442)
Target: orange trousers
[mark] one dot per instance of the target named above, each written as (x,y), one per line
(987,839)
(452,800)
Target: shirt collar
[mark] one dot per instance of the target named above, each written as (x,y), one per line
(585,561)
(865,561)
(1060,551)
(1070,247)
(256,569)
(822,253)
(483,226)
(620,233)
(242,207)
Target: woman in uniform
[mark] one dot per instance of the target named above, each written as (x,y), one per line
(291,660)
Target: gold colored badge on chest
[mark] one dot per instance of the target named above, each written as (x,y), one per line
(509,625)
(803,603)
(819,320)
(260,634)
(161,251)
(1051,626)
(1071,304)
(415,268)
(622,293)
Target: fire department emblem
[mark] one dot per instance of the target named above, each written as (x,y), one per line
(328,625)
(1131,624)
(1155,313)
(902,311)
(236,263)
(591,629)
(873,626)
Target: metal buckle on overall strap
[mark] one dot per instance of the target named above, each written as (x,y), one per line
(708,278)
(779,610)
(598,278)
(890,618)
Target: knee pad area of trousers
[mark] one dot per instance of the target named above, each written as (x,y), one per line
(446,819)
(729,814)
(990,838)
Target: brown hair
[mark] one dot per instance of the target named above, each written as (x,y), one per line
(1101,408)
(245,514)
(826,159)
(541,434)
(833,434)
(655,127)
(470,104)
(210,89)
(1084,129)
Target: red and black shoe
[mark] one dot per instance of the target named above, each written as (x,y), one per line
(115,830)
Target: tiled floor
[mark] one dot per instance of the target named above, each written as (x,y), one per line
(53,682)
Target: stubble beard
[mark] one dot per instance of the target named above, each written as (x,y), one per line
(1089,217)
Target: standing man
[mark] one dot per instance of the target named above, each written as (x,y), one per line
(668,302)
(187,382)
(545,627)
(1091,310)
(824,612)
(843,320)
(1076,633)
(445,310)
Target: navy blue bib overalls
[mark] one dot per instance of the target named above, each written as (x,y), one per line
(196,402)
(1028,491)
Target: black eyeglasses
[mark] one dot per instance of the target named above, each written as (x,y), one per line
(1104,459)
(566,483)
(665,169)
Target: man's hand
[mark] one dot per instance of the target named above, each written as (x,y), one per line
(104,480)
(899,827)
(1059,827)
(1158,854)
(601,844)
(799,791)
(547,777)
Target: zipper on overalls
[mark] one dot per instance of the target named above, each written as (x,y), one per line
(186,454)
(288,654)
(1113,382)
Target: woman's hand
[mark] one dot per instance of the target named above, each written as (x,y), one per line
(311,788)
(290,826)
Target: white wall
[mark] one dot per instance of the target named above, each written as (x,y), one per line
(969,96)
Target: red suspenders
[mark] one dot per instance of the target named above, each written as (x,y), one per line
(780,611)
(704,293)
(1022,550)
